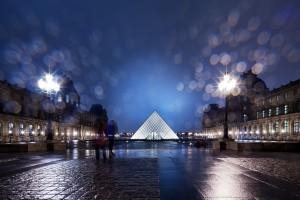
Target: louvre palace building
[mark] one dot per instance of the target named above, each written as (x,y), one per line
(24,114)
(257,113)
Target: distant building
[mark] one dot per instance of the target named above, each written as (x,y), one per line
(24,114)
(257,113)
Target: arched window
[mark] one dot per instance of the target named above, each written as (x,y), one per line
(39,130)
(67,98)
(296,127)
(30,129)
(285,126)
(59,98)
(270,129)
(22,132)
(276,126)
(10,128)
(245,117)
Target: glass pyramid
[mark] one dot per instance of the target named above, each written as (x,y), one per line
(154,128)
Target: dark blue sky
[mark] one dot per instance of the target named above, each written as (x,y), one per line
(135,57)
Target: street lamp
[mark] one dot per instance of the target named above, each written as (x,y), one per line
(48,85)
(227,83)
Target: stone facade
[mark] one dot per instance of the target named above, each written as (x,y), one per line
(269,115)
(24,114)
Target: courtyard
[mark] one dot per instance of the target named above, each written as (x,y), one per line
(151,170)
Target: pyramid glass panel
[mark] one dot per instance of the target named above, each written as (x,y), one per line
(154,128)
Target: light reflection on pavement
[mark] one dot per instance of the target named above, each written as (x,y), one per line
(179,171)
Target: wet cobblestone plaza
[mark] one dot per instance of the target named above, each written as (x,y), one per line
(151,171)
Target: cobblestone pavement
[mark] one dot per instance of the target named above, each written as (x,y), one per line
(189,173)
(86,179)
(285,166)
(11,163)
(166,171)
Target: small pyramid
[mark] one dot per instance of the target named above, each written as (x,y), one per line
(154,128)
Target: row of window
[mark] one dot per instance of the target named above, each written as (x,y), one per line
(273,111)
(67,99)
(275,127)
(21,129)
(277,98)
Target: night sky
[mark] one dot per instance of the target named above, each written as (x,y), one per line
(134,57)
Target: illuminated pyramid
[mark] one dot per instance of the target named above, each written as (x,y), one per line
(154,128)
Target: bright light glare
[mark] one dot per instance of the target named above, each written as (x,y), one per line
(48,84)
(227,84)
(49,77)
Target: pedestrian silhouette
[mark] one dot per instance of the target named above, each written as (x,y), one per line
(101,141)
(111,130)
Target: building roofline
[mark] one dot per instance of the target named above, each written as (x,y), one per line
(291,83)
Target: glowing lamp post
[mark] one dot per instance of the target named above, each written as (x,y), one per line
(48,85)
(226,85)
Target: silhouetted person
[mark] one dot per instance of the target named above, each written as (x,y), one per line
(111,130)
(100,144)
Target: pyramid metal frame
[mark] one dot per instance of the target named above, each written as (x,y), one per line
(154,128)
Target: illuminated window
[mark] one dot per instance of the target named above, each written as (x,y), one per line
(286,109)
(270,127)
(260,129)
(10,128)
(245,117)
(270,112)
(67,98)
(30,129)
(264,129)
(296,127)
(39,130)
(276,126)
(59,98)
(21,129)
(263,113)
(277,110)
(257,114)
(285,126)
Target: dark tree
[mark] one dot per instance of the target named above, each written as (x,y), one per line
(100,112)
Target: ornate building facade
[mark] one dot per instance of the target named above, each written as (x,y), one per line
(258,113)
(24,114)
